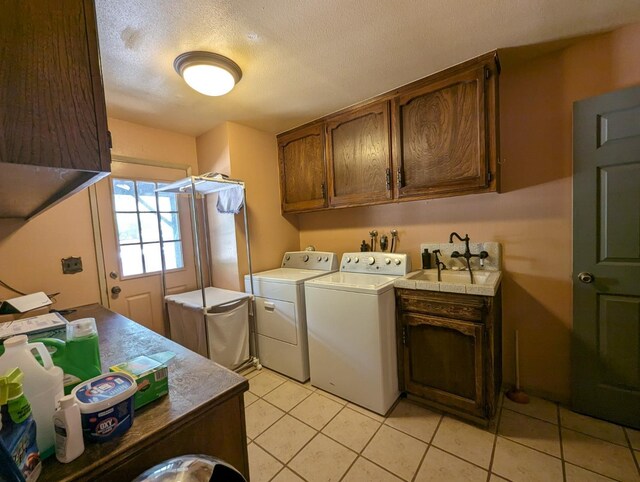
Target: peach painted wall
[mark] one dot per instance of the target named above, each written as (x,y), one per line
(252,157)
(532,218)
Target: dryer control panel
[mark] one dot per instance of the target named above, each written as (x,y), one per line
(319,260)
(394,264)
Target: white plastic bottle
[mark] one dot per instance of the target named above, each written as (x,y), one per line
(68,427)
(42,385)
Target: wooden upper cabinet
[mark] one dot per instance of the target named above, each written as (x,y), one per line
(303,184)
(444,134)
(54,139)
(358,156)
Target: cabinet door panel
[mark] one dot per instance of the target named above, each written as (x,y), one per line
(302,169)
(440,132)
(358,156)
(443,361)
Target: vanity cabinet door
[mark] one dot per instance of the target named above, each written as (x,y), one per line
(358,156)
(445,135)
(442,361)
(303,185)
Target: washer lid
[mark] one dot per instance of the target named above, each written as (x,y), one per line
(355,282)
(287,275)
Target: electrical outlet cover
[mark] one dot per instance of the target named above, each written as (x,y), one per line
(71,265)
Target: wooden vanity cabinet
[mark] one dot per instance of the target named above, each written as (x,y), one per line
(444,133)
(450,351)
(54,139)
(303,177)
(359,156)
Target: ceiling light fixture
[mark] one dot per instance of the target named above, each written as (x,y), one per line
(208,73)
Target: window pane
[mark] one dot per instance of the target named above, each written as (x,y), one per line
(167,200)
(170,227)
(149,224)
(131,258)
(124,195)
(152,261)
(146,196)
(173,255)
(128,228)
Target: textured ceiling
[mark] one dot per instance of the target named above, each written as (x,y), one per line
(302,59)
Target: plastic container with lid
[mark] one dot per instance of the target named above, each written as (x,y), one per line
(106,405)
(42,385)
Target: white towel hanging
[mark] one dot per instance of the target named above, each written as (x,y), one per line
(230,201)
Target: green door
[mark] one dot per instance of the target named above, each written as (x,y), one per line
(606,257)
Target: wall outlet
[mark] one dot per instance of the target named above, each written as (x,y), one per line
(71,265)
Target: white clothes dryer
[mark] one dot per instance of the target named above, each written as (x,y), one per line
(352,329)
(280,317)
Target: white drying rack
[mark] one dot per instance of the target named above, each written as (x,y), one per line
(203,185)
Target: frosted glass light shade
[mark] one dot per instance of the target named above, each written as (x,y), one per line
(208,73)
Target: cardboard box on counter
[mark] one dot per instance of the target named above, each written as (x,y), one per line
(150,373)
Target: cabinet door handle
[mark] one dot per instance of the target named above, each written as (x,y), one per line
(269,306)
(388,179)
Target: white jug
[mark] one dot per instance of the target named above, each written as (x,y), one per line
(42,385)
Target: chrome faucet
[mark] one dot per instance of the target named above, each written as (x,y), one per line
(467,255)
(439,264)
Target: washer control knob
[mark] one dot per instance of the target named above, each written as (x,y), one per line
(387,261)
(348,259)
(371,260)
(398,261)
(357,260)
(305,258)
(288,258)
(319,258)
(326,258)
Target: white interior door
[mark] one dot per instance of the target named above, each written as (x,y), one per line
(132,220)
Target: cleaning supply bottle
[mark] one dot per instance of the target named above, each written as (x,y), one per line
(68,427)
(42,385)
(19,456)
(79,355)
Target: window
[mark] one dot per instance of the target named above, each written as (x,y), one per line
(138,219)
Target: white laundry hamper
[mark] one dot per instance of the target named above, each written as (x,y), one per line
(219,331)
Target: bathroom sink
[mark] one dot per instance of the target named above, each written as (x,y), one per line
(485,283)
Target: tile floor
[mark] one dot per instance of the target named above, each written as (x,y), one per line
(297,432)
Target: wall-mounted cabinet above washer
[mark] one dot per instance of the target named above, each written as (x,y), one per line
(435,137)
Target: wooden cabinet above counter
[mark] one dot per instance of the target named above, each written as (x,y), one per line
(54,139)
(435,137)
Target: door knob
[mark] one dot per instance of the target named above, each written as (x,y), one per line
(586,277)
(116,290)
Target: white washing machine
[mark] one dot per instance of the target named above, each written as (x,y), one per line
(352,329)
(281,323)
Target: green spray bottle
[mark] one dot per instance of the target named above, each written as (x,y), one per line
(79,355)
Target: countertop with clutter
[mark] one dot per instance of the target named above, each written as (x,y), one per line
(202,413)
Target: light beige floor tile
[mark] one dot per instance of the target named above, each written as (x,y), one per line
(316,410)
(395,451)
(285,438)
(592,426)
(465,440)
(532,432)
(262,466)
(634,437)
(250,373)
(331,396)
(519,463)
(366,412)
(537,407)
(322,460)
(264,382)
(352,429)
(438,466)
(285,475)
(260,415)
(365,471)
(287,395)
(578,474)
(249,398)
(414,420)
(598,456)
